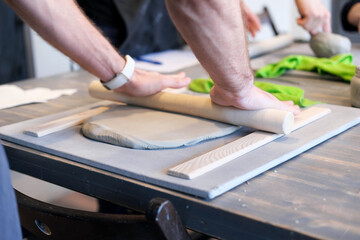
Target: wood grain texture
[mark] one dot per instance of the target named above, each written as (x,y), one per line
(217,157)
(314,196)
(79,80)
(63,123)
(271,120)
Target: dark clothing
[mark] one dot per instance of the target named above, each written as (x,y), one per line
(9,218)
(134,27)
(13,62)
(344,13)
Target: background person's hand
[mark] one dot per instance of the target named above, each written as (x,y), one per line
(144,83)
(253,21)
(314,16)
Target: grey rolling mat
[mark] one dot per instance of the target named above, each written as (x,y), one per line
(150,166)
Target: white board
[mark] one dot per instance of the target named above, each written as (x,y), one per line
(151,166)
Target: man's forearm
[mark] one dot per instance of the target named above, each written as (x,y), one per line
(216,33)
(64,26)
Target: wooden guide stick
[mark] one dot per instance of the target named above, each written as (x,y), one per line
(63,123)
(271,120)
(217,157)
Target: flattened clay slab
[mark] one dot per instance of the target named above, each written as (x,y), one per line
(329,44)
(142,128)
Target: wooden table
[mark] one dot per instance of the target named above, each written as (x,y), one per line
(314,195)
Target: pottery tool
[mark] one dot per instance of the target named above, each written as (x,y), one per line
(271,120)
(265,17)
(63,123)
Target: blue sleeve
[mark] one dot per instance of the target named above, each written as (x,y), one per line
(9,218)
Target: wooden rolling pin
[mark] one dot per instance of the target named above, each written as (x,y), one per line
(270,45)
(271,120)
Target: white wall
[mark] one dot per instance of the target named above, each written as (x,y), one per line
(47,60)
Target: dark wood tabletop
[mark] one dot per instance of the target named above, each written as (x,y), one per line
(315,195)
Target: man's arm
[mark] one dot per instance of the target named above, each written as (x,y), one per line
(63,25)
(216,33)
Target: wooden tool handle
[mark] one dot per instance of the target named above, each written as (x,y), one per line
(271,120)
(63,123)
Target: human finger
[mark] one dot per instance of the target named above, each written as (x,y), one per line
(289,106)
(327,24)
(175,81)
(312,25)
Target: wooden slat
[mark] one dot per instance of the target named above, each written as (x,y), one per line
(215,158)
(63,123)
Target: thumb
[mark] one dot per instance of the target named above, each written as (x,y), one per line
(176,81)
(301,21)
(327,27)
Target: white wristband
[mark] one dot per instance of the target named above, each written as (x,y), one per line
(123,77)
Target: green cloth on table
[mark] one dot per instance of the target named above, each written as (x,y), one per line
(283,93)
(340,65)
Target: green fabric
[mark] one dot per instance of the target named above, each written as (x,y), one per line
(283,93)
(339,65)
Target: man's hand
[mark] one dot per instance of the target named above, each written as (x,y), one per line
(215,32)
(145,83)
(253,21)
(251,98)
(314,16)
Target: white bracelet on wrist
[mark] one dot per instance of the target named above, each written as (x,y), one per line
(123,77)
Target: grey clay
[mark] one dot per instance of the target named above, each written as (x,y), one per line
(329,44)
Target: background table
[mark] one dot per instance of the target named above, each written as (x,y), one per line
(315,195)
